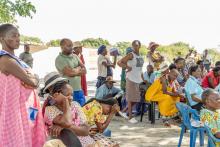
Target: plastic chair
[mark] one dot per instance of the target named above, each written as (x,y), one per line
(186,111)
(212,140)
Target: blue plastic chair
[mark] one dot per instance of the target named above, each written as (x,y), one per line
(212,140)
(186,111)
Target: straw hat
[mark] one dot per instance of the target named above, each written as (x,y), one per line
(51,79)
(77,44)
(109,79)
(152,44)
(163,67)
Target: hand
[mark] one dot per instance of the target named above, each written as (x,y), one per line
(67,70)
(60,98)
(83,71)
(181,95)
(115,109)
(85,126)
(55,130)
(129,68)
(78,70)
(27,86)
(93,131)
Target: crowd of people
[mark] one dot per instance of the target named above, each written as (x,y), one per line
(68,119)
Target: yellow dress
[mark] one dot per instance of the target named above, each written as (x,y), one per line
(167,103)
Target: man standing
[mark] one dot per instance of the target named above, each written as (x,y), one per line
(71,67)
(206,60)
(77,49)
(26,56)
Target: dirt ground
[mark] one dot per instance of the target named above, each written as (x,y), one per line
(144,134)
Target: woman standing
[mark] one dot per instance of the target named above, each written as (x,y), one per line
(133,63)
(21,118)
(103,64)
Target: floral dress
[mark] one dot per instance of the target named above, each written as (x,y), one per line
(212,120)
(93,112)
(52,112)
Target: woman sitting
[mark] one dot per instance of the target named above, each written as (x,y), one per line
(210,116)
(193,89)
(212,79)
(96,111)
(164,91)
(59,110)
(99,112)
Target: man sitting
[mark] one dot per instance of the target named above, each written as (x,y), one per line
(108,90)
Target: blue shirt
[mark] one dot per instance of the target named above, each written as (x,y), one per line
(103,90)
(150,79)
(192,87)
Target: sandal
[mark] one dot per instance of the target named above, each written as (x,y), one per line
(166,123)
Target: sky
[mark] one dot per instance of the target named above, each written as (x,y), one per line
(195,22)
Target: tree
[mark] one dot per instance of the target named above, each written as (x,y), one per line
(30,39)
(122,47)
(54,43)
(95,42)
(9,9)
(215,54)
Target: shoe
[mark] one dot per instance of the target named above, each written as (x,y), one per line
(133,121)
(123,114)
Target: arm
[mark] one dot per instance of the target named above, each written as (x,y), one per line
(115,60)
(65,121)
(123,62)
(9,66)
(108,64)
(164,88)
(211,84)
(65,69)
(217,135)
(83,68)
(21,56)
(99,93)
(102,126)
(196,99)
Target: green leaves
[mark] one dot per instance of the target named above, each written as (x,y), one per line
(29,39)
(94,42)
(9,9)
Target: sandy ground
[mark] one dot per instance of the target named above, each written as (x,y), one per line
(142,134)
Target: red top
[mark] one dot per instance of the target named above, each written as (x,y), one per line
(83,79)
(205,81)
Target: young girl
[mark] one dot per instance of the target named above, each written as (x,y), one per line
(61,111)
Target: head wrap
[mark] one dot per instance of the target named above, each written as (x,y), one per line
(101,49)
